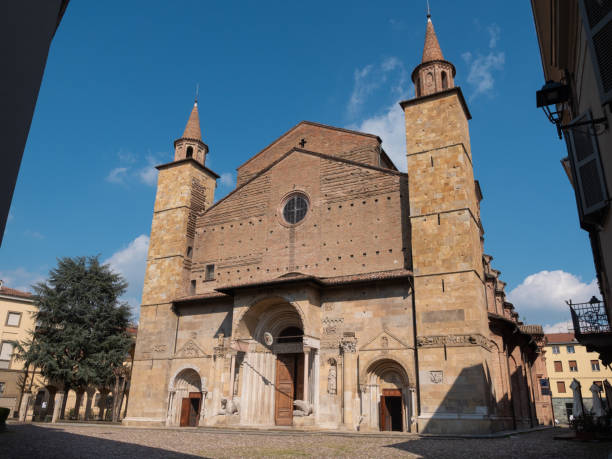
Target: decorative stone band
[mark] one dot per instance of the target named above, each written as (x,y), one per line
(454,340)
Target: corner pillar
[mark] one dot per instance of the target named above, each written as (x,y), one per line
(349,380)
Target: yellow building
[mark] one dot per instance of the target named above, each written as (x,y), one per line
(16,320)
(568,359)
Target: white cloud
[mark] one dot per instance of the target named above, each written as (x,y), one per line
(148,174)
(227,179)
(541,296)
(130,262)
(482,68)
(373,77)
(559,327)
(494,32)
(20,279)
(117,175)
(389,126)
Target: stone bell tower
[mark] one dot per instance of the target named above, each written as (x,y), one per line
(185,187)
(450,305)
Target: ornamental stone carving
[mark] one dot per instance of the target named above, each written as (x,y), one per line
(436,376)
(453,340)
(348,346)
(332,377)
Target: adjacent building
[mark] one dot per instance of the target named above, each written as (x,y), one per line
(330,289)
(567,360)
(575,39)
(16,321)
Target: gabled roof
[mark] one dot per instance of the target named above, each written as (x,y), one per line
(311,123)
(308,152)
(558,338)
(5,291)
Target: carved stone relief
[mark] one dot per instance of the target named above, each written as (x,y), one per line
(436,376)
(453,340)
(332,377)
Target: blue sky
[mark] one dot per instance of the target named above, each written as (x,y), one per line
(120,81)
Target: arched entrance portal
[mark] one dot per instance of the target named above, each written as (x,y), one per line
(387,396)
(186,395)
(276,372)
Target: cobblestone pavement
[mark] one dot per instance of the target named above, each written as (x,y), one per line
(99,441)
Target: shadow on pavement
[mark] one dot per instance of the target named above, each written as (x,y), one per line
(31,441)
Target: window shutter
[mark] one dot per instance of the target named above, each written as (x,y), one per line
(597,20)
(589,182)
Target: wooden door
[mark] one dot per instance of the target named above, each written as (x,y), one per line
(391,409)
(285,367)
(185,408)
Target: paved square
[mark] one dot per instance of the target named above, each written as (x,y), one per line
(99,441)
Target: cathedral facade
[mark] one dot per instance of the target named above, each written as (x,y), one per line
(330,290)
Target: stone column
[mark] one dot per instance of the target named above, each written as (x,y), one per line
(58,403)
(232,376)
(23,407)
(217,384)
(306,362)
(349,368)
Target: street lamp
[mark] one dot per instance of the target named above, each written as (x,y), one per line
(552,94)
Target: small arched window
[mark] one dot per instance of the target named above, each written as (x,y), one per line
(189,152)
(444,81)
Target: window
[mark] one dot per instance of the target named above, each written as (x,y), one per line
(587,172)
(558,366)
(573,366)
(570,349)
(189,251)
(561,387)
(595,365)
(189,152)
(555,349)
(444,81)
(13,319)
(2,386)
(210,272)
(192,288)
(6,352)
(295,209)
(544,385)
(597,18)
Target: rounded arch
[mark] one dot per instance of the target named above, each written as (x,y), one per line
(444,80)
(187,376)
(273,315)
(387,373)
(189,153)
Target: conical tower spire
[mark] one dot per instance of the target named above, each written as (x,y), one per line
(431,50)
(433,74)
(192,129)
(190,144)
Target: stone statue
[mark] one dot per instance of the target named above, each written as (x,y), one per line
(229,407)
(331,378)
(303,408)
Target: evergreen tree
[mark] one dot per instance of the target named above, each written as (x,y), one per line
(80,336)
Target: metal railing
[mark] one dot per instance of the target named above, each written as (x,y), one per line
(590,317)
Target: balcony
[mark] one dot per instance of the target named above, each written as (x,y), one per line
(592,327)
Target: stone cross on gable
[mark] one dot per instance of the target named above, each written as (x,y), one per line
(302,143)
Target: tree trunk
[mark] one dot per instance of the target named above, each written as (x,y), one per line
(78,402)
